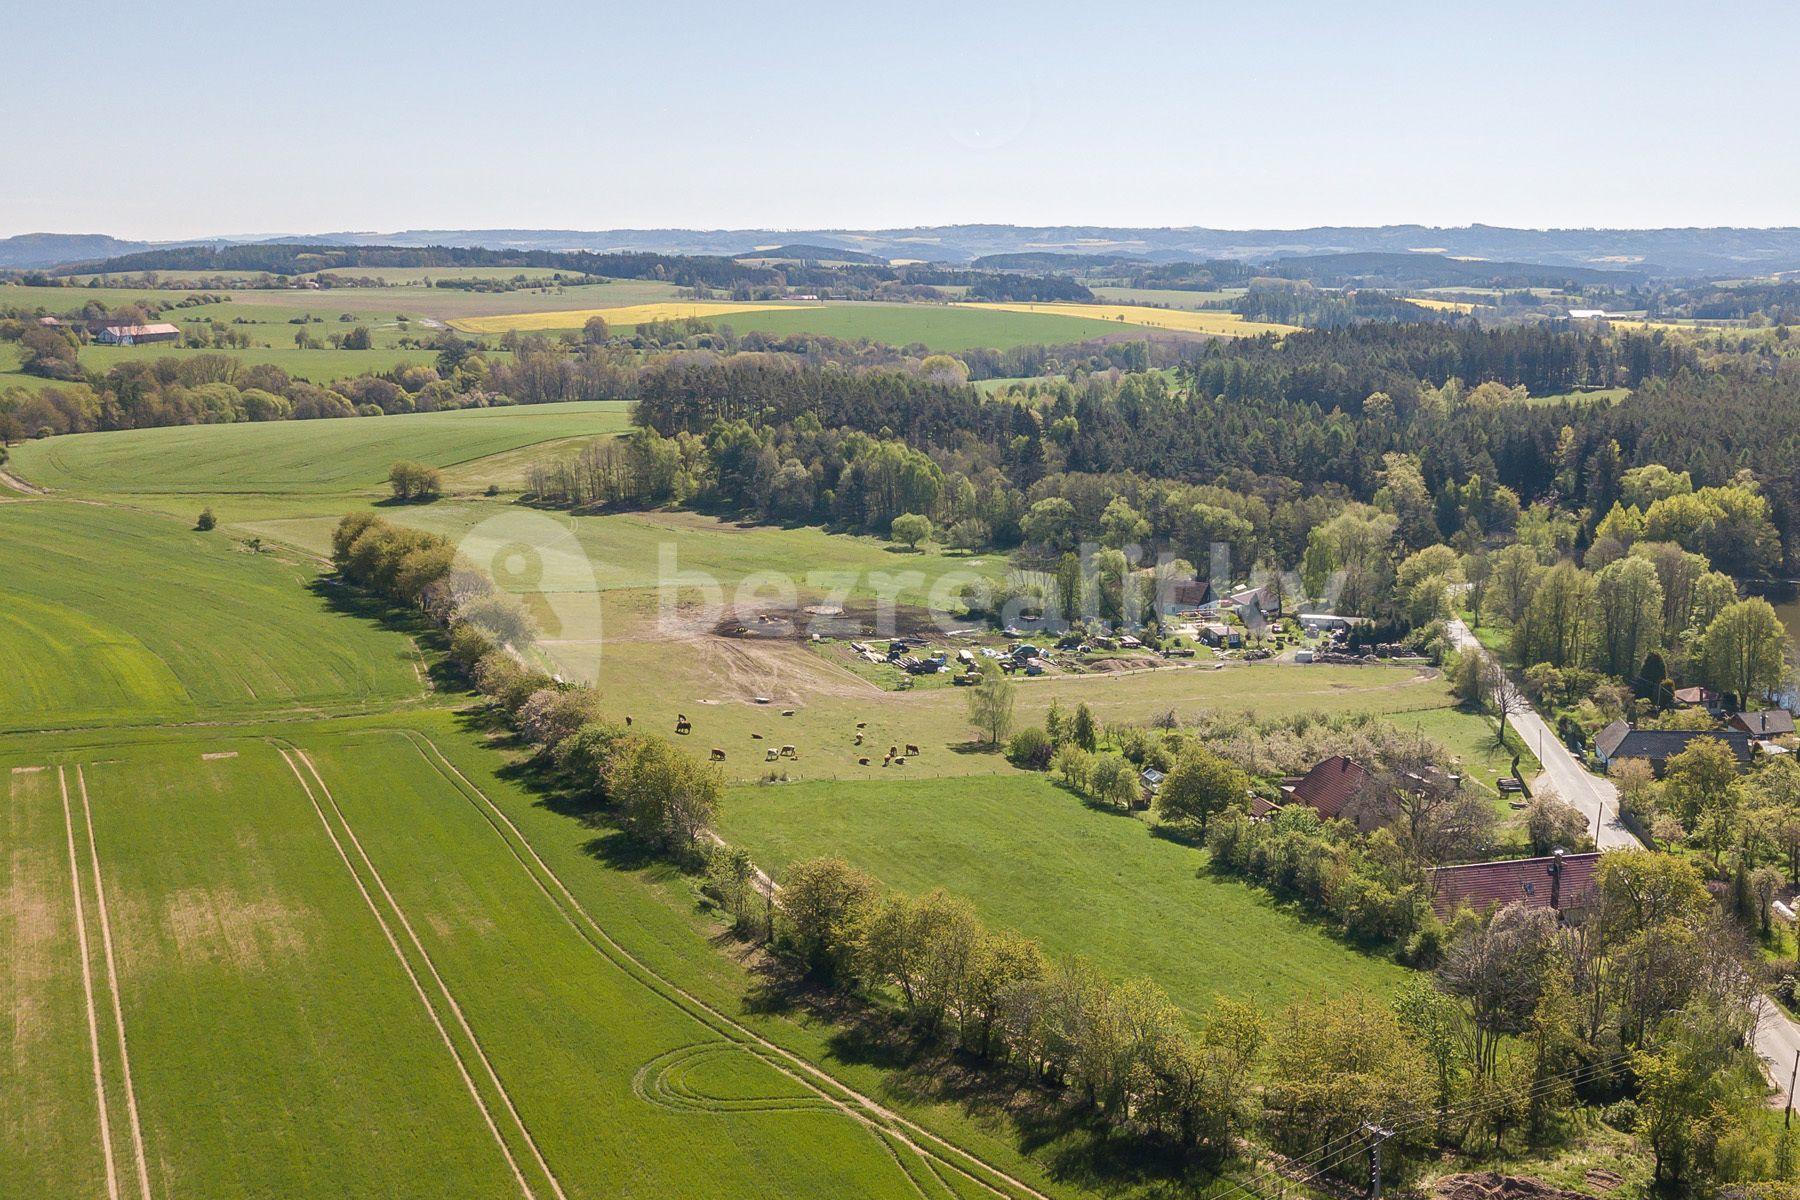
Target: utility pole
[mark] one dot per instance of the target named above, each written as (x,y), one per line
(1376,1135)
(1787,1120)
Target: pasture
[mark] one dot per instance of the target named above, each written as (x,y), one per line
(409,980)
(1034,857)
(109,615)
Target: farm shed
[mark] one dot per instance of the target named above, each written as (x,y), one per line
(1561,882)
(138,335)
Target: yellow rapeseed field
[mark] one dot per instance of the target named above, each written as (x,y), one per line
(1222,324)
(1441,305)
(630,314)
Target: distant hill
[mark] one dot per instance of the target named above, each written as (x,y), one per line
(1046,260)
(1435,270)
(1717,253)
(33,250)
(805,253)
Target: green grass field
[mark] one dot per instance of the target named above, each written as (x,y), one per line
(1084,882)
(408,979)
(299,458)
(109,615)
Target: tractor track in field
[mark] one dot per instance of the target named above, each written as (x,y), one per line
(87,987)
(881,1121)
(419,987)
(112,978)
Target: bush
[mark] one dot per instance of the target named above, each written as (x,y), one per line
(1031,749)
(207,522)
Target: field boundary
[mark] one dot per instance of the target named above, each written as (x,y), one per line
(879,1119)
(418,987)
(87,987)
(112,976)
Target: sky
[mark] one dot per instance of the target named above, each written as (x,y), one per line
(173,121)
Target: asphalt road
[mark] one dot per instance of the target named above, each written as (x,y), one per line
(1777,1036)
(1578,787)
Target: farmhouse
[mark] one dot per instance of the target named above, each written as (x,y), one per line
(1620,741)
(1770,723)
(1560,882)
(138,335)
(1328,786)
(1217,633)
(1325,623)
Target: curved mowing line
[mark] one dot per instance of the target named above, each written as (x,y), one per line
(87,987)
(112,979)
(662,1081)
(456,1056)
(449,997)
(859,1107)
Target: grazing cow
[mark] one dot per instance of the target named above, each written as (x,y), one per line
(789,752)
(901,761)
(757,736)
(859,738)
(862,762)
(682,724)
(769,754)
(628,720)
(893,751)
(911,749)
(787,712)
(862,724)
(718,755)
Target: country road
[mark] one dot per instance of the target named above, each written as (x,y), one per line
(1777,1036)
(1591,794)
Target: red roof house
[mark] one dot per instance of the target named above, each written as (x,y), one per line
(1327,787)
(1559,881)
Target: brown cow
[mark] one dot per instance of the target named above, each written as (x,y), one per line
(911,749)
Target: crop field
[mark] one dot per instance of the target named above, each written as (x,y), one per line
(1211,322)
(1035,858)
(406,983)
(1456,306)
(111,615)
(938,327)
(1167,297)
(334,457)
(624,316)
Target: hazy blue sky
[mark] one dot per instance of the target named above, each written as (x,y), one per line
(171,120)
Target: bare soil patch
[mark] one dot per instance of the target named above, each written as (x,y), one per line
(1491,1185)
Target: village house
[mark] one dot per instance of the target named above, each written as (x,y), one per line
(1700,697)
(1189,595)
(1254,603)
(1619,741)
(1561,882)
(138,335)
(1328,786)
(1770,723)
